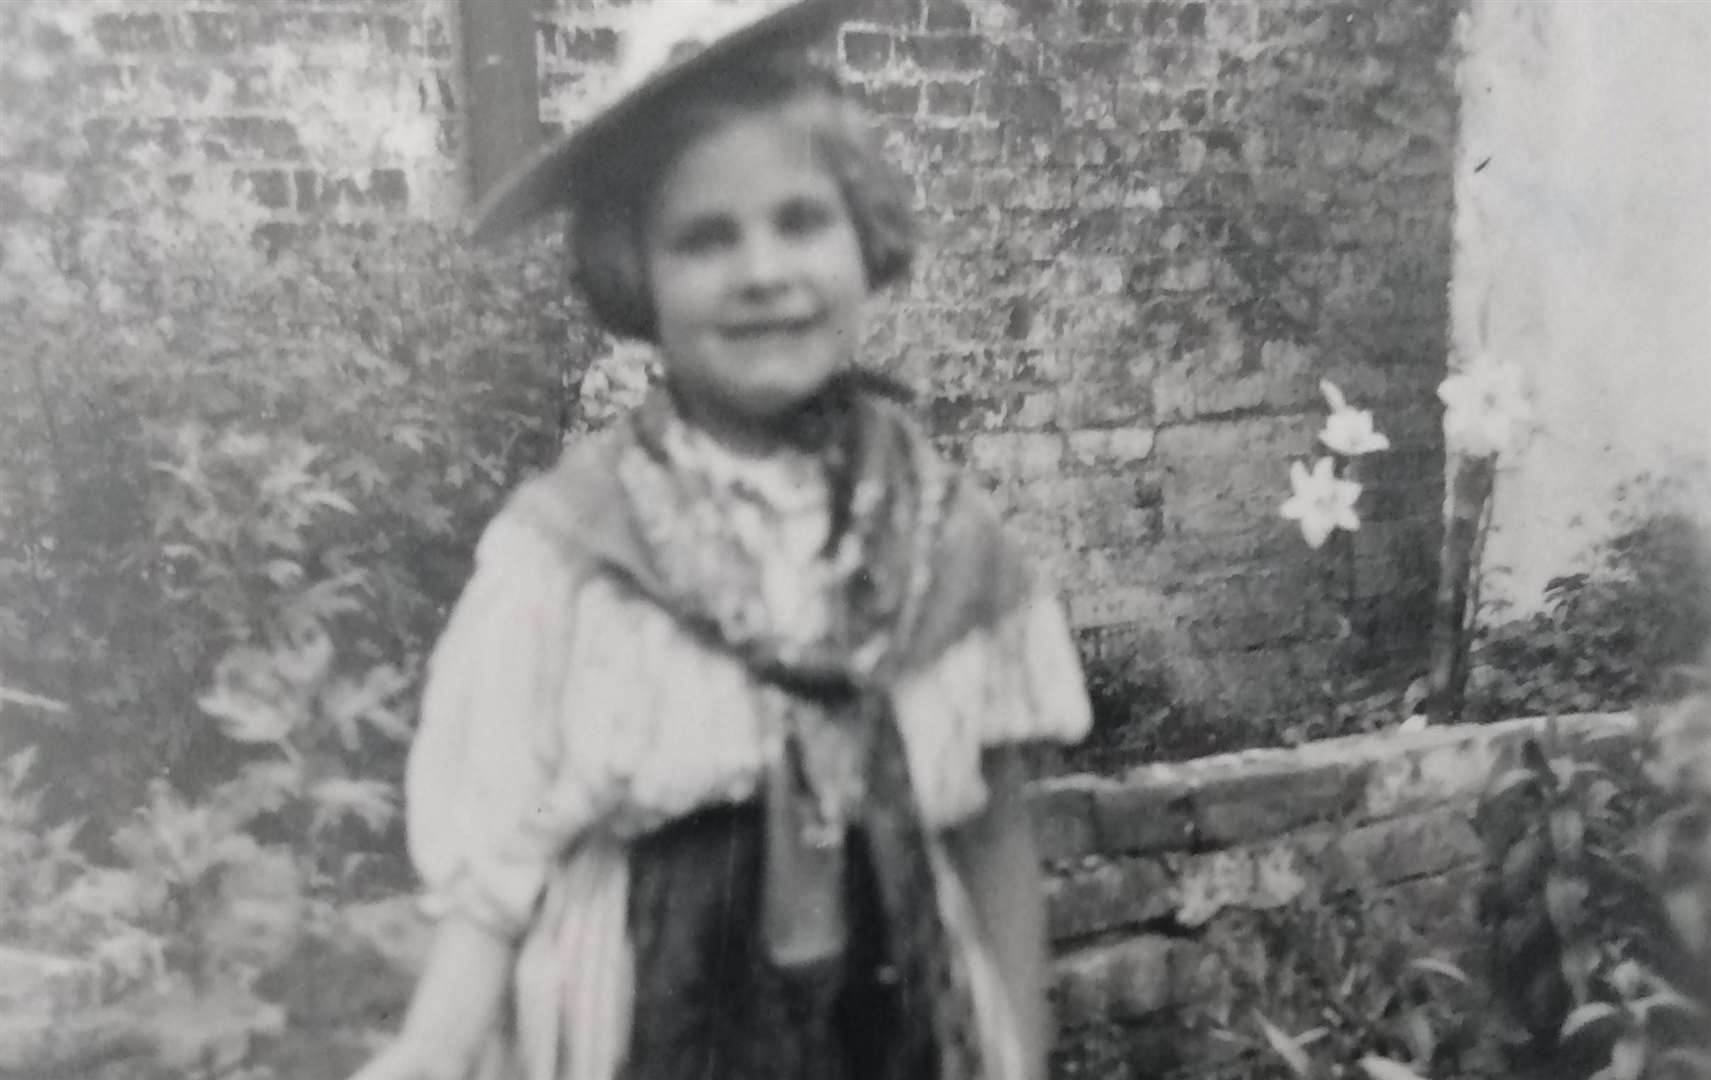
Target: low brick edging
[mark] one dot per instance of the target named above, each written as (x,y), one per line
(1149,871)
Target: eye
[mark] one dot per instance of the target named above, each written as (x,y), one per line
(701,235)
(801,216)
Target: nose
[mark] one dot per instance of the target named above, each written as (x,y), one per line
(764,263)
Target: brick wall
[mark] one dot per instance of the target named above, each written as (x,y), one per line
(279,116)
(1172,886)
(1153,226)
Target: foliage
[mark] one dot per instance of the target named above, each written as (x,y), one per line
(1614,633)
(1343,985)
(1597,899)
(238,493)
(213,455)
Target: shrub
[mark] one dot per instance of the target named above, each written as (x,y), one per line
(1598,898)
(238,494)
(1615,632)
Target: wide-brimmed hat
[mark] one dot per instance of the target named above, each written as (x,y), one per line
(664,45)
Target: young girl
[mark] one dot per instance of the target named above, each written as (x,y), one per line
(714,777)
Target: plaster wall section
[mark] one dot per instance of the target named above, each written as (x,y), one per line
(1583,253)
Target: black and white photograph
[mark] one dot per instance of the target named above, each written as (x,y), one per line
(855,539)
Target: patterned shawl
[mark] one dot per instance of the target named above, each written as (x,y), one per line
(912,564)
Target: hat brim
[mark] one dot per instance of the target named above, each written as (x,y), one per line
(541,181)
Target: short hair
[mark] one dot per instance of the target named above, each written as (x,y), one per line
(610,201)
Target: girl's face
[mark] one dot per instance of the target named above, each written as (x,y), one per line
(755,271)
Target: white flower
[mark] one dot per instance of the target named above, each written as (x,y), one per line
(1349,431)
(1485,408)
(615,383)
(1322,502)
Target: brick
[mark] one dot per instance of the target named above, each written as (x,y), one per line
(1108,895)
(967,413)
(384,189)
(1062,814)
(1259,804)
(139,33)
(389,188)
(1191,20)
(1247,879)
(1119,605)
(951,190)
(1434,769)
(396,33)
(1414,846)
(867,50)
(1097,17)
(1143,817)
(949,99)
(1098,58)
(1093,404)
(1111,447)
(219,31)
(47,38)
(944,53)
(1018,453)
(905,14)
(579,44)
(252,137)
(120,137)
(270,188)
(947,15)
(1031,105)
(891,99)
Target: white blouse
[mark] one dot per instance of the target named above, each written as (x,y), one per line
(564,715)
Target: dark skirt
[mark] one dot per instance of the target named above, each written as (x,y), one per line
(710,1005)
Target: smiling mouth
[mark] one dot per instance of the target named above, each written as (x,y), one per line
(770,328)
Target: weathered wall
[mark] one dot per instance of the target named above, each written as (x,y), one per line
(1153,227)
(1163,878)
(1583,253)
(271,115)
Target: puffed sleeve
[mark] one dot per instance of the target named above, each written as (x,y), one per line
(1016,681)
(486,749)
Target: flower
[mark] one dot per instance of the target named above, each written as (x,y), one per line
(1485,409)
(614,383)
(1322,502)
(1349,431)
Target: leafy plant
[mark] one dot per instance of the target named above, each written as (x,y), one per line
(1344,986)
(238,493)
(1596,907)
(1617,632)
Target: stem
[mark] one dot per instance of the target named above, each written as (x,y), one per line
(1351,595)
(1476,588)
(1340,569)
(1471,482)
